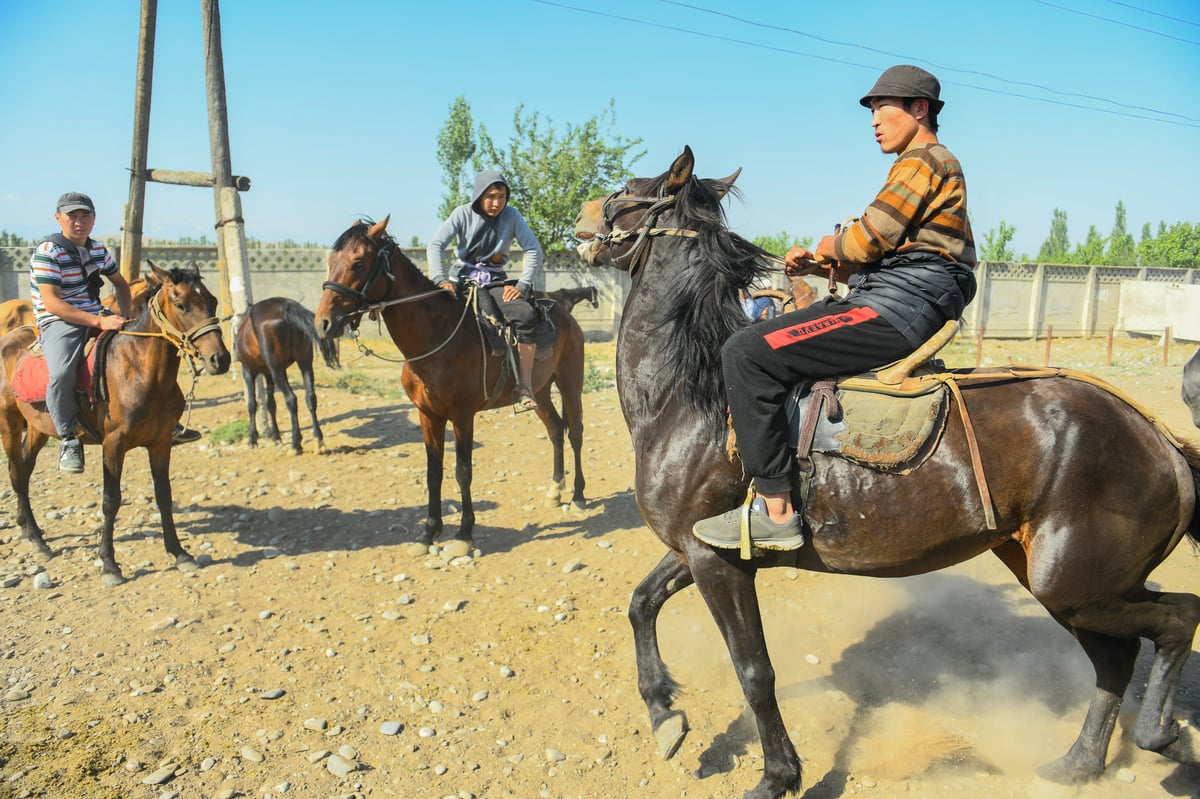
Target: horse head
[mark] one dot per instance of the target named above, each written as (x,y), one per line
(615,230)
(359,257)
(186,314)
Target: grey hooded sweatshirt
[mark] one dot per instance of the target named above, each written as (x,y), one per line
(484,240)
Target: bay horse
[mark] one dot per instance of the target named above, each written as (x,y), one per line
(449,373)
(1088,494)
(274,334)
(142,405)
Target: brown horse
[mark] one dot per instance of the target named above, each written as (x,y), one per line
(449,373)
(15,313)
(274,334)
(570,296)
(141,407)
(1088,496)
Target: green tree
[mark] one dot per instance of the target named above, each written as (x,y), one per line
(1056,249)
(456,147)
(1175,246)
(1121,249)
(552,173)
(996,243)
(781,243)
(1091,251)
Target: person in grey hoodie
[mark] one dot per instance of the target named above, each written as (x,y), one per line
(485,229)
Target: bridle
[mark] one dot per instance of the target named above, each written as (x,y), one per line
(631,259)
(382,266)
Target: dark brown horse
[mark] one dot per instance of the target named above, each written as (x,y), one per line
(274,334)
(1088,495)
(449,373)
(1191,387)
(142,405)
(570,296)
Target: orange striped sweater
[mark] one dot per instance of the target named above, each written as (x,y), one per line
(921,208)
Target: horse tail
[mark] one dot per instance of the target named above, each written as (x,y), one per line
(302,319)
(1191,451)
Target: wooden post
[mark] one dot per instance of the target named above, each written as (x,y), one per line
(1166,344)
(1049,337)
(231,238)
(979,348)
(131,233)
(1108,354)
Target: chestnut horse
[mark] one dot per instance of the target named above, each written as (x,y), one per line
(448,373)
(274,334)
(1088,494)
(140,409)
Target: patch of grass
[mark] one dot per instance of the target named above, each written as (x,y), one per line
(230,432)
(595,378)
(358,383)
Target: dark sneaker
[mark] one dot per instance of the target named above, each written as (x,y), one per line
(70,456)
(725,531)
(184,435)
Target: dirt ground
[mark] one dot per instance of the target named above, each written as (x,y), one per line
(313,655)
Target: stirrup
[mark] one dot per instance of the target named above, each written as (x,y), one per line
(525,398)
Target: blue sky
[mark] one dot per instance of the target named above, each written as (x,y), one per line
(335,112)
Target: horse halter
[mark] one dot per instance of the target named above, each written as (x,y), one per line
(184,340)
(646,229)
(382,265)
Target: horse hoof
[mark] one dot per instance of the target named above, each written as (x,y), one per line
(297,451)
(1068,771)
(669,734)
(111,579)
(456,548)
(415,549)
(187,565)
(42,550)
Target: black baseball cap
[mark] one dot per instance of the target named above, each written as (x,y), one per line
(74,201)
(906,81)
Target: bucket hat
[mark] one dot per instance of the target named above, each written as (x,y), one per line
(907,81)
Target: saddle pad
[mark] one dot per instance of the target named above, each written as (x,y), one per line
(880,431)
(545,334)
(30,379)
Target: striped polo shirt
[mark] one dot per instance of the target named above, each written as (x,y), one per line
(55,265)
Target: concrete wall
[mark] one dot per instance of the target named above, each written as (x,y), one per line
(1015,300)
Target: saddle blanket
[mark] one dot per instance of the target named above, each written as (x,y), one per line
(32,376)
(877,430)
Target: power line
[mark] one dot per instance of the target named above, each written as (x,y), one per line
(1188,122)
(1155,13)
(939,67)
(1117,22)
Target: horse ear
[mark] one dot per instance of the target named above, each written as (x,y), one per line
(681,171)
(725,184)
(157,276)
(379,229)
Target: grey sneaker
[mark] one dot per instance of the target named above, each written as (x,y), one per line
(70,456)
(725,531)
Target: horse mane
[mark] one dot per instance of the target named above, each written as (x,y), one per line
(359,230)
(703,309)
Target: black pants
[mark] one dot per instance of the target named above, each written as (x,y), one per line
(520,312)
(762,363)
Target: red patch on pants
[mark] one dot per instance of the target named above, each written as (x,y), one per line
(814,327)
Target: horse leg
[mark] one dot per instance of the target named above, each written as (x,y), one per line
(655,684)
(248,380)
(1156,729)
(270,425)
(310,399)
(434,432)
(554,431)
(21,459)
(160,471)
(1110,633)
(114,462)
(570,388)
(289,399)
(464,438)
(728,590)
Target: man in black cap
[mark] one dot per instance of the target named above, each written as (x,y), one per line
(64,281)
(909,260)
